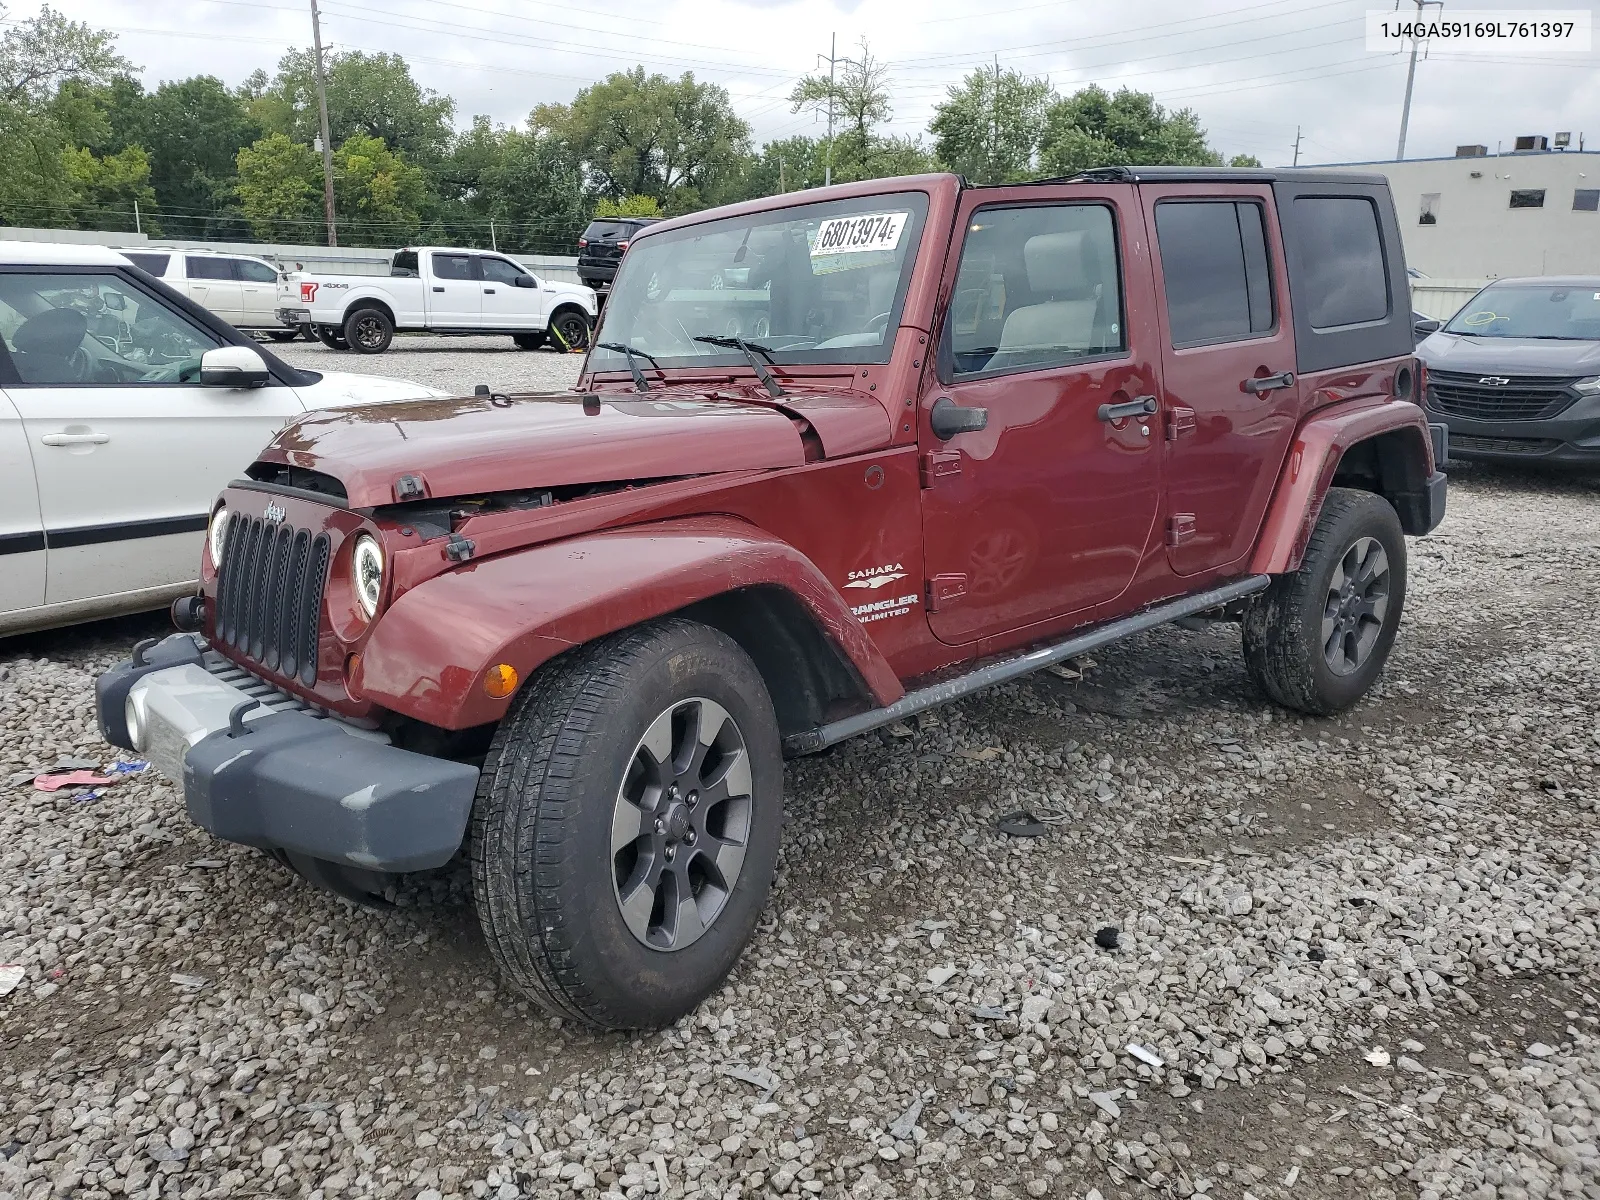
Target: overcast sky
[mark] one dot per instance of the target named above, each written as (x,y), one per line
(1252,70)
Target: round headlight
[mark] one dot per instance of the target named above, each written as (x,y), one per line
(367,570)
(217,536)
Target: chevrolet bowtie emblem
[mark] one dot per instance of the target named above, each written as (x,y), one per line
(1494,380)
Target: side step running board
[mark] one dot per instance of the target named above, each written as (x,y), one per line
(1008,669)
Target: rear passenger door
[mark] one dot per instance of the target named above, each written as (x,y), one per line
(1230,398)
(455,294)
(258,293)
(211,284)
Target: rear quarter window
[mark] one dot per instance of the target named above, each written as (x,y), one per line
(155,264)
(1345,281)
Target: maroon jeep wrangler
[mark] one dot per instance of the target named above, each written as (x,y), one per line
(835,457)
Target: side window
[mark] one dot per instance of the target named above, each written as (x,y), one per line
(1214,270)
(1346,281)
(1036,287)
(208,266)
(404,265)
(254,272)
(452,266)
(498,270)
(95,329)
(155,264)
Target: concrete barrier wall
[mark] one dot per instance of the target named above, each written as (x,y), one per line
(341,260)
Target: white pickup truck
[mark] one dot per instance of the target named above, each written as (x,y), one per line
(438,290)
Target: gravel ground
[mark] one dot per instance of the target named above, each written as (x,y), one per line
(452,364)
(1363,951)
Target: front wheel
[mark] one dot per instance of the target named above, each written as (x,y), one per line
(625,832)
(368,330)
(1316,640)
(569,331)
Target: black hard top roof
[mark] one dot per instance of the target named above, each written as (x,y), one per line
(1214,175)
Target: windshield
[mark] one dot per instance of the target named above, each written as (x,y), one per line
(1532,310)
(814,283)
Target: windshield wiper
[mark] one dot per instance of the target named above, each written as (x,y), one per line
(749,350)
(629,353)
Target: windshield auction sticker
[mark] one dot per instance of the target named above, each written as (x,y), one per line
(856,235)
(1483,31)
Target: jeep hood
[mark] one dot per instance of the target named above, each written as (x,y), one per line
(480,444)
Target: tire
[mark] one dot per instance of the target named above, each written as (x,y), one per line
(528,341)
(283,335)
(368,330)
(308,334)
(1316,640)
(551,823)
(569,331)
(331,339)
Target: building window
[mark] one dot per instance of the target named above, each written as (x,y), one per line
(1430,209)
(1528,198)
(1586,200)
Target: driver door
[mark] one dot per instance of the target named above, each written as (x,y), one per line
(505,304)
(127,467)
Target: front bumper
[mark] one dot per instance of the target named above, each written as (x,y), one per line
(264,769)
(294,317)
(1571,437)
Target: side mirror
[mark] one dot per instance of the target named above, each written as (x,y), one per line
(1421,329)
(949,418)
(525,281)
(233,367)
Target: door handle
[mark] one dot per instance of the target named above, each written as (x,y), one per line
(1269,383)
(438,289)
(75,439)
(948,418)
(1139,406)
(488,291)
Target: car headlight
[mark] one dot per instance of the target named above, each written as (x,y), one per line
(1590,385)
(217,536)
(367,570)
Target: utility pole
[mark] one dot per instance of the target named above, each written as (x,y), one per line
(494,244)
(782,187)
(1297,145)
(322,113)
(833,55)
(137,228)
(994,126)
(1411,77)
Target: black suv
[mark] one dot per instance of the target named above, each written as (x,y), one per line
(601,246)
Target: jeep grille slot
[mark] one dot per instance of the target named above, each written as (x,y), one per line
(269,594)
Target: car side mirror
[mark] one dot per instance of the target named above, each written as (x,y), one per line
(233,367)
(1421,329)
(949,418)
(525,281)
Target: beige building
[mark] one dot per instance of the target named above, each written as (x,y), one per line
(1481,215)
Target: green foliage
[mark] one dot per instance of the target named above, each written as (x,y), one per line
(38,56)
(1093,128)
(377,195)
(280,189)
(646,135)
(859,95)
(989,128)
(1244,160)
(536,194)
(34,189)
(194,130)
(105,187)
(628,206)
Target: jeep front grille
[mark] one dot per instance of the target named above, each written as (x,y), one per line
(1520,398)
(269,594)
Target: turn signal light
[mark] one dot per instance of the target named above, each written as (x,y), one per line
(501,681)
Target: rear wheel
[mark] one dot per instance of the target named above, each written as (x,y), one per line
(528,341)
(569,330)
(1316,640)
(368,330)
(625,832)
(331,338)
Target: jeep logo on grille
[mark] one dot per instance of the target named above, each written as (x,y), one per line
(1494,380)
(273,513)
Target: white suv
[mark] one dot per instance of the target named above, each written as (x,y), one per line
(243,291)
(124,409)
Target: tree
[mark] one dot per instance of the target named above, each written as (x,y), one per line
(193,131)
(628,206)
(39,55)
(989,127)
(859,99)
(535,194)
(1092,128)
(105,188)
(371,94)
(639,135)
(280,189)
(1244,160)
(377,194)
